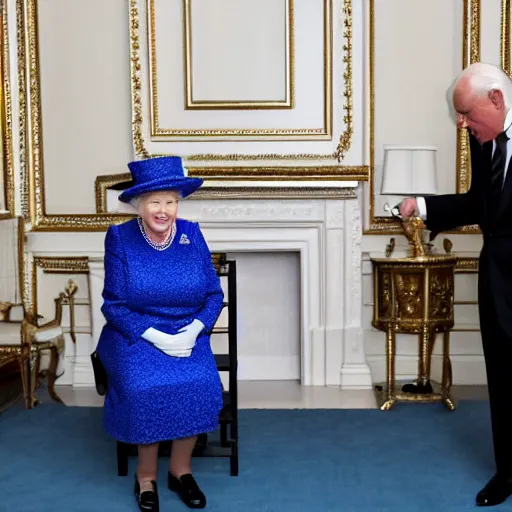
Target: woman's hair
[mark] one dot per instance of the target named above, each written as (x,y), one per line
(135,201)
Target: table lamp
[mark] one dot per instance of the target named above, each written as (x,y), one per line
(408,171)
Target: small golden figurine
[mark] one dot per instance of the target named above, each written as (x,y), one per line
(413,228)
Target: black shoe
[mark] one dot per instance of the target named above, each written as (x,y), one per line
(147,500)
(419,389)
(497,490)
(187,489)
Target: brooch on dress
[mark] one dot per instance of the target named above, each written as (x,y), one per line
(184,239)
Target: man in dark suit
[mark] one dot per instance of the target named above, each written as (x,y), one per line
(482,99)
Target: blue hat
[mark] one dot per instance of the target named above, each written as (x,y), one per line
(160,173)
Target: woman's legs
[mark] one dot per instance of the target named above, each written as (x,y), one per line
(180,462)
(147,465)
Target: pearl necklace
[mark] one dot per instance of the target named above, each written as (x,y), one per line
(158,246)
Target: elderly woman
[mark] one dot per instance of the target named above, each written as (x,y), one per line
(162,297)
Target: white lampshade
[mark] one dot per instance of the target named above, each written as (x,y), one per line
(409,171)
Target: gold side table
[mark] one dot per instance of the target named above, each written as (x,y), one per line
(414,295)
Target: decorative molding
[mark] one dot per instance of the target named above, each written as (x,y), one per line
(53,265)
(506,37)
(323,133)
(335,213)
(63,264)
(137,109)
(356,173)
(356,258)
(467,264)
(6,114)
(263,211)
(471,54)
(346,137)
(22,108)
(190,103)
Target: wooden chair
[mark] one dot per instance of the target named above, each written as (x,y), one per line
(22,339)
(227,447)
(49,337)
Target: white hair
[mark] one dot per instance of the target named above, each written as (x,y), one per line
(483,78)
(137,200)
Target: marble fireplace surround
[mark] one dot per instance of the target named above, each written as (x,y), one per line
(326,233)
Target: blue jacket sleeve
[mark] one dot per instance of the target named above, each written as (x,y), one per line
(115,310)
(214,294)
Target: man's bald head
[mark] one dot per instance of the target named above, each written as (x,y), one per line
(482,96)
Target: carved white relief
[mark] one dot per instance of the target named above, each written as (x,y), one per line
(335,210)
(355,278)
(284,210)
(28,263)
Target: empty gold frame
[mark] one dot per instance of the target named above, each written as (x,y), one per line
(471,54)
(159,132)
(6,157)
(191,103)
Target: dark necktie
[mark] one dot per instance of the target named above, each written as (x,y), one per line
(498,168)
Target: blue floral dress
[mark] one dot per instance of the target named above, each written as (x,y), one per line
(152,396)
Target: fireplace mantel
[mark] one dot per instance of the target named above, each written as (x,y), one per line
(326,233)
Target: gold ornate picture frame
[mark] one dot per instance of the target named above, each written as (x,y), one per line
(191,103)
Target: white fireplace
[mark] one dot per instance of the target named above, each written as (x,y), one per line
(326,233)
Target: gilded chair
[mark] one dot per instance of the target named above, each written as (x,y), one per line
(12,345)
(49,337)
(22,339)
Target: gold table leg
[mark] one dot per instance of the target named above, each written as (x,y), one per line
(390,397)
(424,359)
(446,381)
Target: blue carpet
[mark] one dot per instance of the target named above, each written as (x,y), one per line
(413,458)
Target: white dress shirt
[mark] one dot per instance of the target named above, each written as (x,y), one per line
(507,125)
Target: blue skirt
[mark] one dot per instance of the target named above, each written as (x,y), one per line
(154,397)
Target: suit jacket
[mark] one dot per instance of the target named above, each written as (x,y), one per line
(447,212)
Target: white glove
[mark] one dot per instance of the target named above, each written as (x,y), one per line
(177,345)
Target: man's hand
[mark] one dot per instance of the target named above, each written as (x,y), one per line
(408,207)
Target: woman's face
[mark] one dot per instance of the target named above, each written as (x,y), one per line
(159,210)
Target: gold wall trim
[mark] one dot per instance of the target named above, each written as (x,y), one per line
(506,36)
(62,264)
(467,264)
(21,41)
(324,133)
(191,104)
(56,265)
(470,54)
(345,137)
(6,114)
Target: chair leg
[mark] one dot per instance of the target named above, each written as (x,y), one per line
(233,459)
(122,459)
(52,373)
(26,382)
(36,372)
(224,435)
